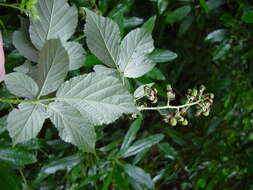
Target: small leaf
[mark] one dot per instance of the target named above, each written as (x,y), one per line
(185,25)
(216,35)
(156,74)
(161,56)
(178,14)
(204,5)
(2,59)
(30,119)
(135,47)
(103,38)
(21,85)
(100,97)
(72,126)
(132,22)
(247,17)
(142,144)
(53,66)
(56,20)
(150,24)
(139,175)
(76,55)
(16,156)
(131,133)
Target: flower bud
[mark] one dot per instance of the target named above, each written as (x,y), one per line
(206,113)
(185,122)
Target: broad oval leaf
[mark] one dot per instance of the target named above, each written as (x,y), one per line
(101,98)
(134,49)
(21,85)
(16,156)
(72,126)
(76,55)
(25,123)
(53,66)
(56,20)
(103,38)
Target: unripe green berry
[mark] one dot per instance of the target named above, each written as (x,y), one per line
(173,121)
(194,92)
(185,122)
(206,113)
(212,96)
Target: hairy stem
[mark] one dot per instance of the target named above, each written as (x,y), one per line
(168,106)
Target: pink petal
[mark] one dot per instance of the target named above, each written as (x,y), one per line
(2,69)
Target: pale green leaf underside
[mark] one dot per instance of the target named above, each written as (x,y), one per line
(103,38)
(24,46)
(53,66)
(72,126)
(76,55)
(25,68)
(56,20)
(21,85)
(26,122)
(134,50)
(100,98)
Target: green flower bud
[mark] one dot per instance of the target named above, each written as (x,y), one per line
(168,87)
(206,113)
(211,95)
(173,121)
(194,92)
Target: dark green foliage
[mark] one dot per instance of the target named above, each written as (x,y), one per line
(213,42)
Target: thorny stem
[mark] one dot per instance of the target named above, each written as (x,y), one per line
(168,106)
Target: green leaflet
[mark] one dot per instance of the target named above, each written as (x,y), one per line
(53,66)
(72,126)
(135,47)
(21,85)
(100,98)
(30,121)
(21,41)
(103,38)
(76,55)
(56,19)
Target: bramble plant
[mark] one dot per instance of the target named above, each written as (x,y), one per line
(78,104)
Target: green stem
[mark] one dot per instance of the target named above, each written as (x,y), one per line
(169,106)
(17,101)
(11,6)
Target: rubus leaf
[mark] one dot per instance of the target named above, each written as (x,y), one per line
(25,68)
(53,66)
(103,38)
(131,133)
(72,126)
(76,55)
(56,20)
(142,144)
(105,70)
(162,55)
(21,85)
(2,59)
(139,175)
(100,97)
(16,156)
(134,49)
(25,123)
(247,17)
(22,42)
